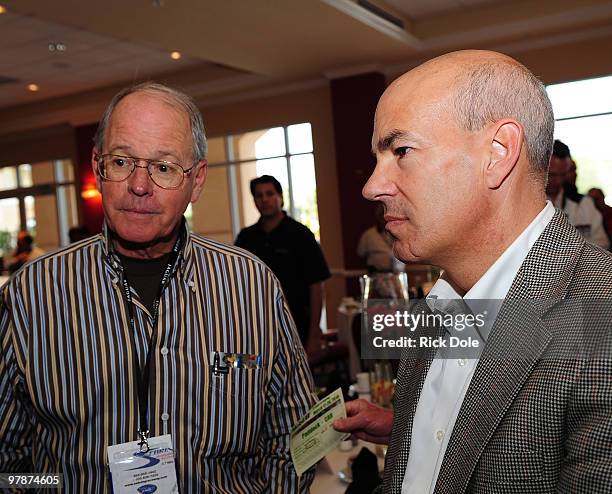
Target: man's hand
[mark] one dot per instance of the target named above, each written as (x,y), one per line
(367,422)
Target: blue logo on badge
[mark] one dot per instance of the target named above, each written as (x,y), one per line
(147,489)
(152,462)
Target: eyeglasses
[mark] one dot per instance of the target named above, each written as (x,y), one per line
(165,174)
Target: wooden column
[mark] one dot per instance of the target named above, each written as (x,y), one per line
(354,101)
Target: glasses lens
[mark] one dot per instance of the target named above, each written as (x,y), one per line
(115,168)
(166,175)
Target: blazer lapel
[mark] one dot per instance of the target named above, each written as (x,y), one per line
(497,380)
(410,379)
(516,342)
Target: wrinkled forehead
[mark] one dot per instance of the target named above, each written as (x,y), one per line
(152,106)
(152,115)
(414,104)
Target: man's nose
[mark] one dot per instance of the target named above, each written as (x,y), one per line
(140,182)
(378,185)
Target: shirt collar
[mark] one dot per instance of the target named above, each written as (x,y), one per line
(280,224)
(495,284)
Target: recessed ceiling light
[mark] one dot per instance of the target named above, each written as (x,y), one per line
(2,9)
(33,87)
(53,47)
(175,55)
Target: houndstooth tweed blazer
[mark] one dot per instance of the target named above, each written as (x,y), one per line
(531,424)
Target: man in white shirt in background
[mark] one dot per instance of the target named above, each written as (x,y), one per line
(580,209)
(463,144)
(376,246)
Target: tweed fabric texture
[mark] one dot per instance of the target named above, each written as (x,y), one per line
(535,421)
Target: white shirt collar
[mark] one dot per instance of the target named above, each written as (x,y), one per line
(497,280)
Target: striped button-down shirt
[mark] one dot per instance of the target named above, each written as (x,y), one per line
(67,383)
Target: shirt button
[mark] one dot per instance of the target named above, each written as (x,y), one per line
(164,351)
(165,416)
(439,435)
(461,362)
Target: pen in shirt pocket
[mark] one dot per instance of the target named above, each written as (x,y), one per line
(222,362)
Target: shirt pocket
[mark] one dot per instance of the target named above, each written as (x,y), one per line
(236,406)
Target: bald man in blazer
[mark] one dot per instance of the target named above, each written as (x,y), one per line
(463,144)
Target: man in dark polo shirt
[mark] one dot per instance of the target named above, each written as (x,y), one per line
(292,252)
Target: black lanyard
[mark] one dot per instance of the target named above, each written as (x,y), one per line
(143,375)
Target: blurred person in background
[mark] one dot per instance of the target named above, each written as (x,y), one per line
(25,251)
(581,211)
(292,252)
(570,179)
(606,211)
(376,246)
(78,233)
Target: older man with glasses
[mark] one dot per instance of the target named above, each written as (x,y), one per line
(149,357)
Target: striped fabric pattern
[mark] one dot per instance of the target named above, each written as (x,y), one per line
(67,383)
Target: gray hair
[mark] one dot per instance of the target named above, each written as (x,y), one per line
(175,98)
(490,91)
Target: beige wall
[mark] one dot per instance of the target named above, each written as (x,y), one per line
(244,148)
(45,208)
(570,62)
(38,144)
(312,106)
(211,213)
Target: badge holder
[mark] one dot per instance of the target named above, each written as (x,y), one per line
(146,465)
(134,470)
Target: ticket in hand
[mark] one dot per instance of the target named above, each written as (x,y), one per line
(313,436)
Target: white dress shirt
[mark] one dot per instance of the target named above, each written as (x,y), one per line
(447,380)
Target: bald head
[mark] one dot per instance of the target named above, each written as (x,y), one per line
(482,87)
(462,144)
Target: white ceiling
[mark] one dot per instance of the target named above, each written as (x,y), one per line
(422,9)
(232,47)
(90,60)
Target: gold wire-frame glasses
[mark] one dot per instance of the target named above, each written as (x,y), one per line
(117,168)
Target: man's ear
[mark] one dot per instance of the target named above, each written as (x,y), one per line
(94,167)
(505,149)
(201,170)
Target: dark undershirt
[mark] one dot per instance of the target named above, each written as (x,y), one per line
(144,276)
